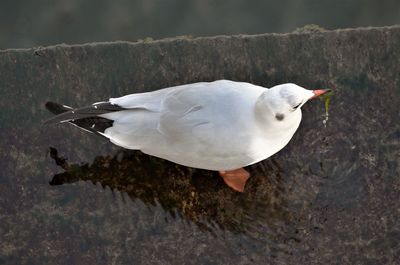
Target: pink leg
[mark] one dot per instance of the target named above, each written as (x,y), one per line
(236,179)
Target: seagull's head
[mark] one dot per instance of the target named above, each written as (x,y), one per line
(285,100)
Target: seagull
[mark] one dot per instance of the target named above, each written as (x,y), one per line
(221,125)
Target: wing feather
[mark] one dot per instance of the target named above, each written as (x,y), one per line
(85,112)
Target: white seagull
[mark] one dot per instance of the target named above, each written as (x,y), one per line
(221,125)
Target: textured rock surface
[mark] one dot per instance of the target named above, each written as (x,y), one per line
(330,197)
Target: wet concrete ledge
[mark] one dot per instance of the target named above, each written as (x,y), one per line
(336,189)
(311,59)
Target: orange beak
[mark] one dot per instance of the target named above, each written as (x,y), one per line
(320,92)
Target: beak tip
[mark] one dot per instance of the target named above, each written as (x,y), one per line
(320,92)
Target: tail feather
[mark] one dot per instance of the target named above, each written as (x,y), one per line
(86,118)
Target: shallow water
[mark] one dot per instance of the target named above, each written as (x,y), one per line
(68,197)
(104,204)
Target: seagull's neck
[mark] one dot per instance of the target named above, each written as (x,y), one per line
(263,112)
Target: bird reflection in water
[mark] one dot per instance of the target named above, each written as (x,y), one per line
(199,196)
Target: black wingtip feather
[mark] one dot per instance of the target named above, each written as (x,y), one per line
(56,108)
(86,118)
(66,114)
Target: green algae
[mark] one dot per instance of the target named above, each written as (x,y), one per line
(326,98)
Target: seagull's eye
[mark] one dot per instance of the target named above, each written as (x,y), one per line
(298,105)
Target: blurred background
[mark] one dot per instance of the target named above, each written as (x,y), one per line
(26,23)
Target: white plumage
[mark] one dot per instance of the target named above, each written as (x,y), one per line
(220,125)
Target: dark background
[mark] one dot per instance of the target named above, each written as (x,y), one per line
(26,23)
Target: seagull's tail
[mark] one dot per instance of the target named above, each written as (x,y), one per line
(85,118)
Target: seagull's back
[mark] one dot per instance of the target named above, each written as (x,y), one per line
(203,125)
